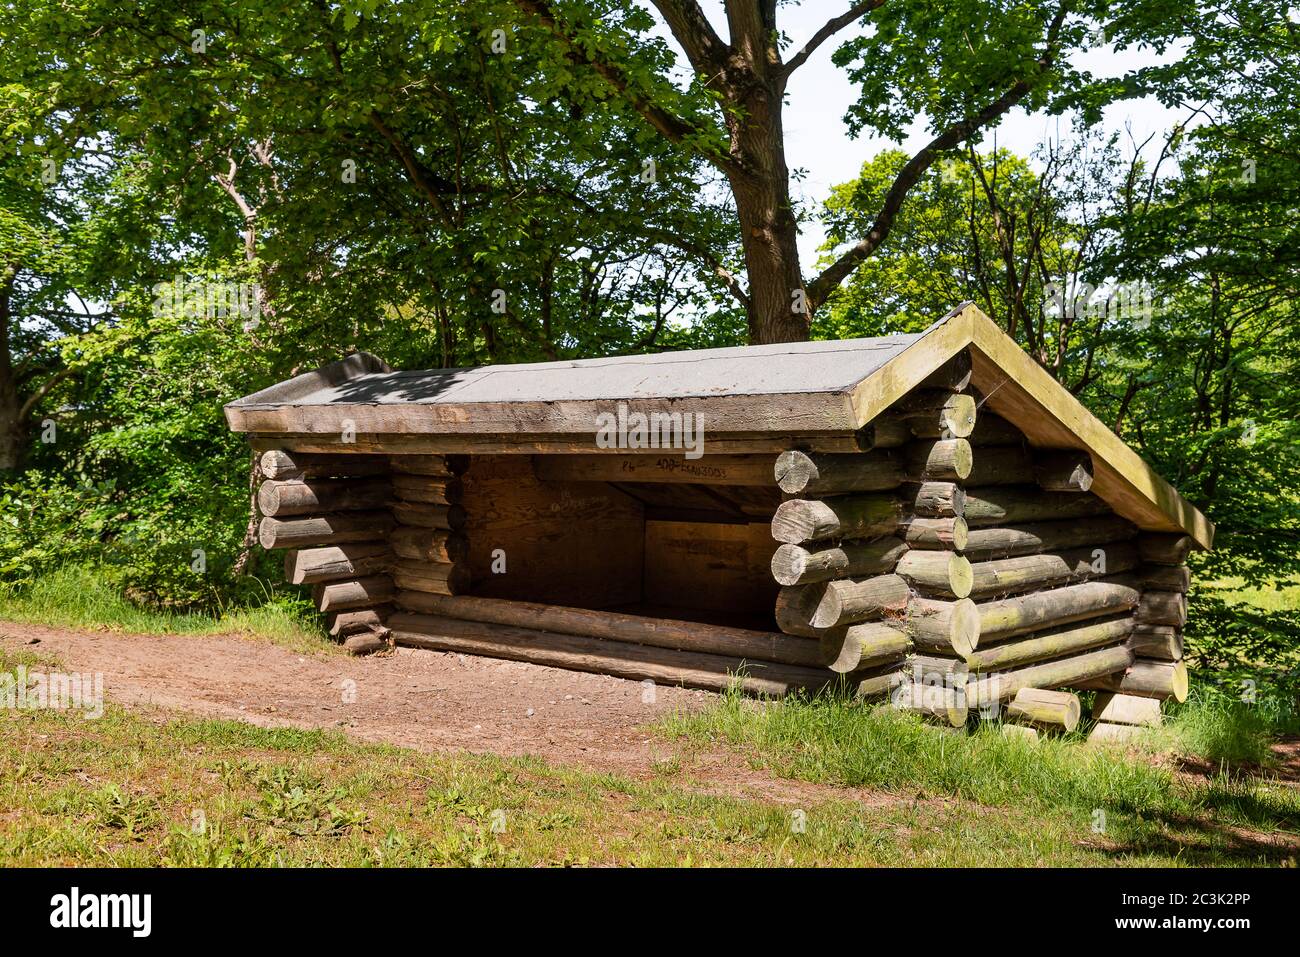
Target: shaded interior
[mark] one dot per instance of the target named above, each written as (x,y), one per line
(693,552)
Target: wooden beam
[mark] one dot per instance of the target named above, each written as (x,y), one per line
(1148,679)
(279,465)
(946,627)
(1014,504)
(1072,671)
(1044,709)
(311,565)
(990,544)
(797,565)
(1022,614)
(323,529)
(622,660)
(1007,576)
(358,593)
(313,496)
(614,626)
(812,474)
(1052,643)
(663,467)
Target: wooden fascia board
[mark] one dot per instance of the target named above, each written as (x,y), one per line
(793,412)
(1022,392)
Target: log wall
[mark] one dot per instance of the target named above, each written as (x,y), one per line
(961,558)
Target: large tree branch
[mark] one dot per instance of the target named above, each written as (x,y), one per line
(425,180)
(704,48)
(915,168)
(41,392)
(671,126)
(828,30)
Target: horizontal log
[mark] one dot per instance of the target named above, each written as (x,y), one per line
(936,499)
(992,430)
(662,468)
(1000,465)
(934,700)
(446,517)
(614,626)
(847,516)
(947,627)
(323,529)
(1003,685)
(941,574)
(1044,709)
(1162,608)
(366,643)
(428,544)
(885,431)
(1021,614)
(988,544)
(944,534)
(1063,470)
(298,497)
(1126,709)
(1165,577)
(428,489)
(343,623)
(797,565)
(444,466)
(866,645)
(278,465)
(1007,576)
(1163,642)
(620,659)
(1147,679)
(1053,643)
(938,413)
(310,565)
(878,683)
(945,460)
(814,474)
(1013,504)
(1165,548)
(438,578)
(950,671)
(810,609)
(1053,469)
(358,593)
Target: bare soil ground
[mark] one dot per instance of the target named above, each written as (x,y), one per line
(425,700)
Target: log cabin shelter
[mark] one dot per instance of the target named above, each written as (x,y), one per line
(857,512)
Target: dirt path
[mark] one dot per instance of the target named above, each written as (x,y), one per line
(425,700)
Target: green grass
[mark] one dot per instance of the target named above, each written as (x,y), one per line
(848,745)
(75,597)
(1228,732)
(129,791)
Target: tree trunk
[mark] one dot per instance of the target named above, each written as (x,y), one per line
(778,309)
(13,432)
